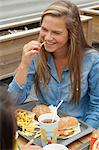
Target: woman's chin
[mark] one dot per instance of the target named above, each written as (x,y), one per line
(50,50)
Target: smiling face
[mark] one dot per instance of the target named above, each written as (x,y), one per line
(54,32)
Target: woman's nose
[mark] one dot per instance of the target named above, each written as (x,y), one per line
(48,36)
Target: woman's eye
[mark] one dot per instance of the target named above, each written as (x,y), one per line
(44,29)
(57,33)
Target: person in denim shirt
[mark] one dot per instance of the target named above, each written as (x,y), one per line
(64,67)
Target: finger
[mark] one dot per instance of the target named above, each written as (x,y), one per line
(31,53)
(29,143)
(34,147)
(31,45)
(27,48)
(30,48)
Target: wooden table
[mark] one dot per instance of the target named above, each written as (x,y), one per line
(72,146)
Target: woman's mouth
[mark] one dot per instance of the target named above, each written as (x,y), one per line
(49,44)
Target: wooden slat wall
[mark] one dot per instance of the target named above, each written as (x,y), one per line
(10,53)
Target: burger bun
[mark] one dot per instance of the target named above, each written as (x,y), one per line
(67,122)
(41,109)
(68,126)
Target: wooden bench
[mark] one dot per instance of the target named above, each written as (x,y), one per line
(11,47)
(87,28)
(93,11)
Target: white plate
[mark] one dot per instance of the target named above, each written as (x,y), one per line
(55,147)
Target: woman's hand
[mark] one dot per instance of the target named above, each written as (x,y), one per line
(29,51)
(28,146)
(32,147)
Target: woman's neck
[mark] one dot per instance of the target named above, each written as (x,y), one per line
(59,55)
(60,58)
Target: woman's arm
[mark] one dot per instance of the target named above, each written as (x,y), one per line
(21,91)
(92,116)
(27,57)
(23,79)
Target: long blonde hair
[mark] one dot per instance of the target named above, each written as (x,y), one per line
(76,47)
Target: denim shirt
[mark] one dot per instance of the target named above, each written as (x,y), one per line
(88,107)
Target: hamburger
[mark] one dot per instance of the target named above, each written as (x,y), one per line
(68,126)
(41,109)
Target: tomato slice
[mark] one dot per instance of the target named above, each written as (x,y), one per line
(61,133)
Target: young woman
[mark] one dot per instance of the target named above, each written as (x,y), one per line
(8,125)
(65,67)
